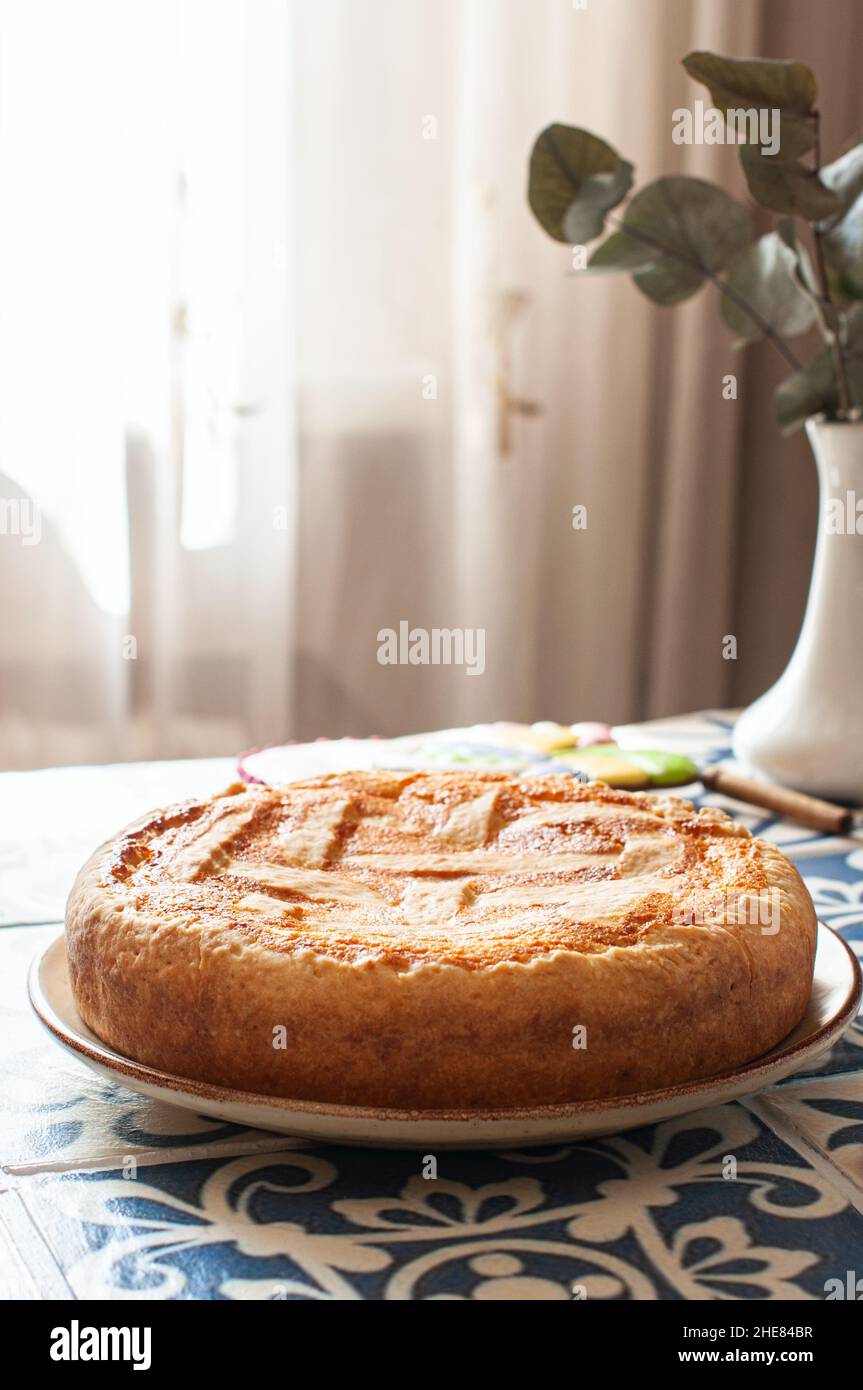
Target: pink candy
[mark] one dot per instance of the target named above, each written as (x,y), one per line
(592,732)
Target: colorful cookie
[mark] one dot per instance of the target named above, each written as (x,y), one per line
(544,737)
(605,762)
(592,732)
(664,769)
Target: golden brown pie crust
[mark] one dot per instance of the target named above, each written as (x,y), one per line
(443,940)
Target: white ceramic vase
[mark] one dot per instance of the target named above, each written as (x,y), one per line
(807,730)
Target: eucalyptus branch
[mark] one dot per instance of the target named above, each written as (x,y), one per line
(724,288)
(682,231)
(766,328)
(824,303)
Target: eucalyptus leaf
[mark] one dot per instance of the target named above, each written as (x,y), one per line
(620,252)
(787,186)
(843,234)
(693,228)
(804,273)
(584,219)
(843,249)
(845,177)
(806,393)
(575,179)
(764,275)
(737,84)
(813,389)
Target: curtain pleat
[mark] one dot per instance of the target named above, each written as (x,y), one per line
(307,368)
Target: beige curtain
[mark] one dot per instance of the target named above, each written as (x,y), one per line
(738,509)
(306,367)
(146,378)
(700,516)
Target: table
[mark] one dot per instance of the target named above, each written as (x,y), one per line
(104,1194)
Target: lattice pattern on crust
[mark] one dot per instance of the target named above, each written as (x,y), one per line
(475,867)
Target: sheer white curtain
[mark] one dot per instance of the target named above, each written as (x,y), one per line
(421,259)
(285,360)
(147,385)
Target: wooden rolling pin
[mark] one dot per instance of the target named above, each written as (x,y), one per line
(805,810)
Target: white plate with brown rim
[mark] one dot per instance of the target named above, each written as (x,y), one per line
(835,999)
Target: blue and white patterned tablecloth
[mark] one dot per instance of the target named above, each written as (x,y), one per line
(104,1194)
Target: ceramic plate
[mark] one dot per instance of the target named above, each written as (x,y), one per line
(836,993)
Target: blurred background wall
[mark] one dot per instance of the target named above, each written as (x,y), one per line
(267,281)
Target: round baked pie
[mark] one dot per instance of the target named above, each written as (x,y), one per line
(447,940)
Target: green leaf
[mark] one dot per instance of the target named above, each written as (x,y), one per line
(786,186)
(845,177)
(804,274)
(806,278)
(813,389)
(843,239)
(764,275)
(737,84)
(622,252)
(692,229)
(575,179)
(843,250)
(806,393)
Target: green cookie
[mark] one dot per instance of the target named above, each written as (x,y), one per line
(664,769)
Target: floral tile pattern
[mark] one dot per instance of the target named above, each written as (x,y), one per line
(709,1206)
(110,1195)
(828,1115)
